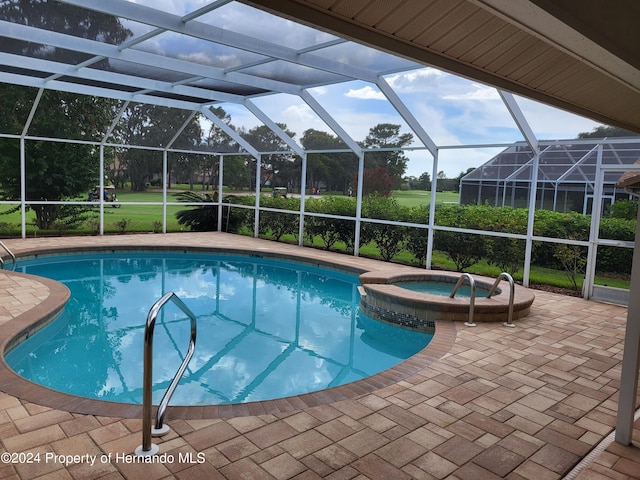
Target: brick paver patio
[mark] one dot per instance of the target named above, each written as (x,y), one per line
(488,402)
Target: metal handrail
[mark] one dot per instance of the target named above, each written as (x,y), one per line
(472,297)
(147,448)
(13,257)
(505,276)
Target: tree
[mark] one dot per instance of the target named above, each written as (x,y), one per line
(387,135)
(375,181)
(235,171)
(152,125)
(458,179)
(603,131)
(425,181)
(217,141)
(333,169)
(55,171)
(273,166)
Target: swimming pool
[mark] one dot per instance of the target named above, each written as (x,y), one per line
(266,328)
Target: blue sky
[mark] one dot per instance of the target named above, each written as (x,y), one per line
(451,109)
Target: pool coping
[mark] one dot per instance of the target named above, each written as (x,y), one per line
(24,324)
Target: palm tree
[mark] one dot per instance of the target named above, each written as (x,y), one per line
(204,218)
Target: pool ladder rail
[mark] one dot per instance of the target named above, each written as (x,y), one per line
(472,298)
(148,448)
(13,257)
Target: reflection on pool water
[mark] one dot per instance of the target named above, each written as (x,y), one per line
(441,288)
(266,328)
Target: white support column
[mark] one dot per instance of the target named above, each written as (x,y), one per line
(530,219)
(303,187)
(408,117)
(105,138)
(521,121)
(165,174)
(256,218)
(101,187)
(631,355)
(229,131)
(432,211)
(264,118)
(23,188)
(356,239)
(353,145)
(220,184)
(596,212)
(23,163)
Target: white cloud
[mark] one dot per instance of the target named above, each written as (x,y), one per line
(319,90)
(203,59)
(423,80)
(479,93)
(366,93)
(299,115)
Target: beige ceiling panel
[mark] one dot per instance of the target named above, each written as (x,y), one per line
(498,54)
(582,87)
(531,53)
(346,8)
(390,16)
(439,34)
(533,71)
(472,45)
(563,76)
(428,19)
(492,36)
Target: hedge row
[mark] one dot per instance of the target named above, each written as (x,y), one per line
(464,249)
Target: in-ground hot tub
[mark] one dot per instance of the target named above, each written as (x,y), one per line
(403,299)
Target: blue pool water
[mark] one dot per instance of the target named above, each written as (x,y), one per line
(266,328)
(441,288)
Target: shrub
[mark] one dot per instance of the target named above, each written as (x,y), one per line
(506,253)
(464,249)
(390,239)
(417,238)
(573,260)
(122,224)
(626,209)
(557,225)
(332,230)
(279,224)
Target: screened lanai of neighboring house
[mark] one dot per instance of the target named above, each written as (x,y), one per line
(567,174)
(192,58)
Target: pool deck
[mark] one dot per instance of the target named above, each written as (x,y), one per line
(486,402)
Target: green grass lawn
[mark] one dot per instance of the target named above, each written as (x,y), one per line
(413,198)
(145,218)
(136,218)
